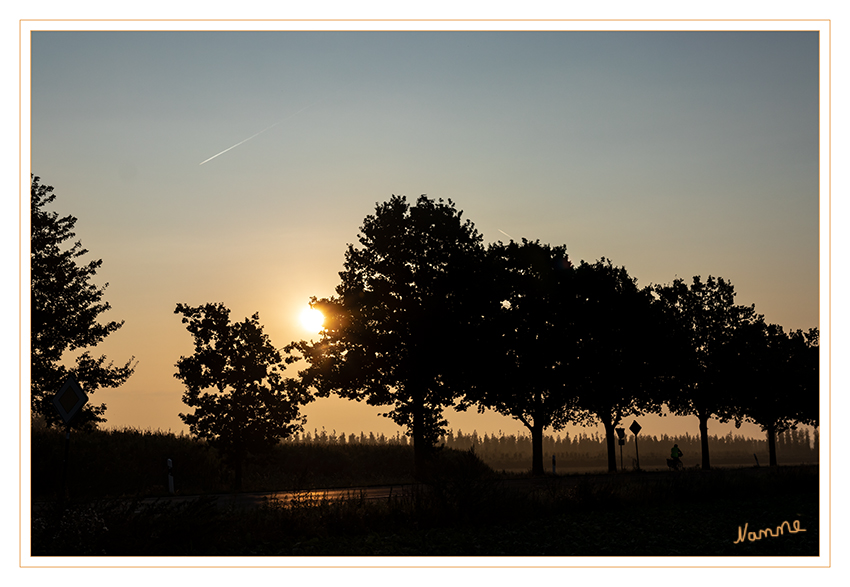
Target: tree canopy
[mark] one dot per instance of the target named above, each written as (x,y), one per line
(66,306)
(234,381)
(396,332)
(527,347)
(621,350)
(706,320)
(776,379)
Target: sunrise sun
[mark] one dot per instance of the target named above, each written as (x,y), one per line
(312,319)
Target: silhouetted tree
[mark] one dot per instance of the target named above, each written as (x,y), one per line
(705,320)
(243,405)
(528,346)
(65,310)
(621,348)
(776,379)
(398,332)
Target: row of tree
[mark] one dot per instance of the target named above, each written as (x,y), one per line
(427,317)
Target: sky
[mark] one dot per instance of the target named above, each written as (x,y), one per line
(673,154)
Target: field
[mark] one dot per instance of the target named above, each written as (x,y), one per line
(467,509)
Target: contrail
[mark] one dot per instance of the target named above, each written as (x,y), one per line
(257,134)
(499,229)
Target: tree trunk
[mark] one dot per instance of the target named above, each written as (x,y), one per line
(703,437)
(771,443)
(610,434)
(537,448)
(421,452)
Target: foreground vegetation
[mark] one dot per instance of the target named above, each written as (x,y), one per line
(695,513)
(466,509)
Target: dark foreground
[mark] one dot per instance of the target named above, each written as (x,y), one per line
(468,513)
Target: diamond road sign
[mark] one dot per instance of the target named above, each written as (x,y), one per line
(635,427)
(69,399)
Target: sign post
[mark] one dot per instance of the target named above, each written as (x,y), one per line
(635,428)
(621,433)
(68,401)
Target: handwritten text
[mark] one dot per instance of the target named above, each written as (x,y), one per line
(744,536)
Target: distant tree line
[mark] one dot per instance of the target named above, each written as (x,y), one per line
(589,450)
(426,317)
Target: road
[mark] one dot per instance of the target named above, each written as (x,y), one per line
(258,499)
(385,492)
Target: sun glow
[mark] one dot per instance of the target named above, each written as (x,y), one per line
(312,319)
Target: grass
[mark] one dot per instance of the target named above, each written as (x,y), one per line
(132,463)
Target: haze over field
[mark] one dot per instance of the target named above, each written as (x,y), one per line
(235,167)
